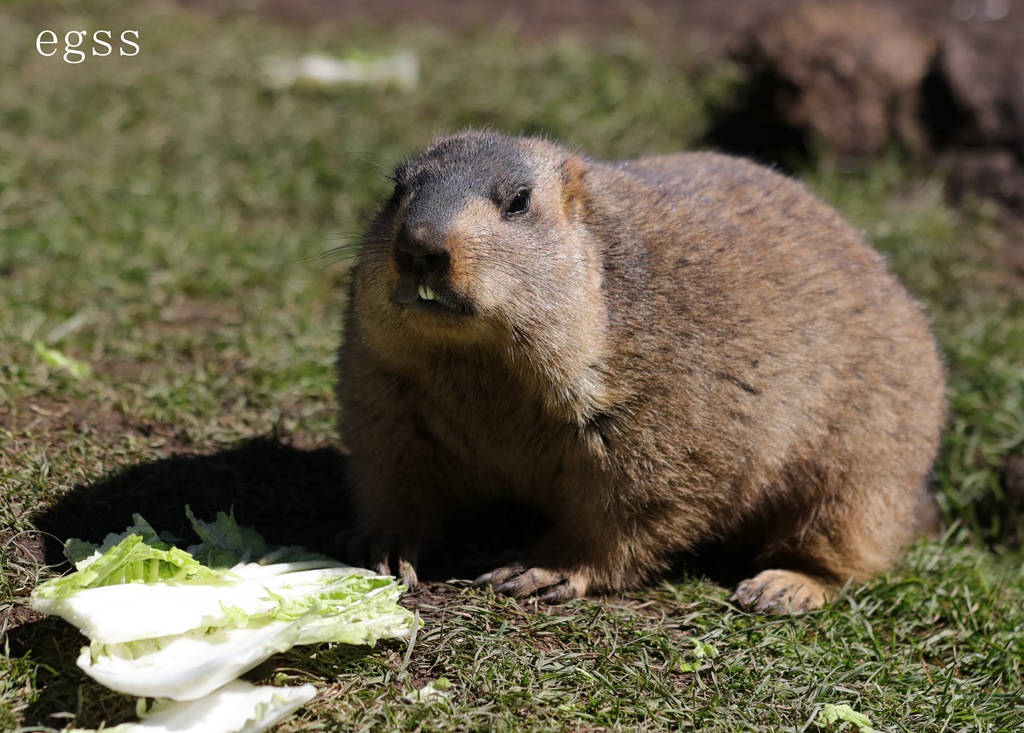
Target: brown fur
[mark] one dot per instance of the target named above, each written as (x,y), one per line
(656,354)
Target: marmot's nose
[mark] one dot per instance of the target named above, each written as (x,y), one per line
(420,248)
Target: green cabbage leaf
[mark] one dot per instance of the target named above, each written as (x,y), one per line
(170,623)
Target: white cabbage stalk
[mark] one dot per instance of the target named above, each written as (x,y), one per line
(238,707)
(189,665)
(113,614)
(186,666)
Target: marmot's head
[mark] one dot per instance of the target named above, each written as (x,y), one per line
(481,238)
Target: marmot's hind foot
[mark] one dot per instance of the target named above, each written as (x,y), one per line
(519,581)
(781,591)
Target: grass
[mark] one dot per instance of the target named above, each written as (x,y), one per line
(164,221)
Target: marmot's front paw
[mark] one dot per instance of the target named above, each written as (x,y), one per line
(382,555)
(519,581)
(781,591)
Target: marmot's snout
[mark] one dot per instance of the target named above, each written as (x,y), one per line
(422,257)
(420,250)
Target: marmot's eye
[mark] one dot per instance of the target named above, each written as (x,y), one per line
(520,203)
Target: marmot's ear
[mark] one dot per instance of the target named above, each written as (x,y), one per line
(574,170)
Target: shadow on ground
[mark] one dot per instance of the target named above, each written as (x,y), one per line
(290,495)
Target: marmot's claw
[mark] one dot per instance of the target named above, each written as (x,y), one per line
(561,593)
(407,573)
(518,581)
(500,575)
(362,549)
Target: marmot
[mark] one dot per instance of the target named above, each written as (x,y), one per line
(655,354)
